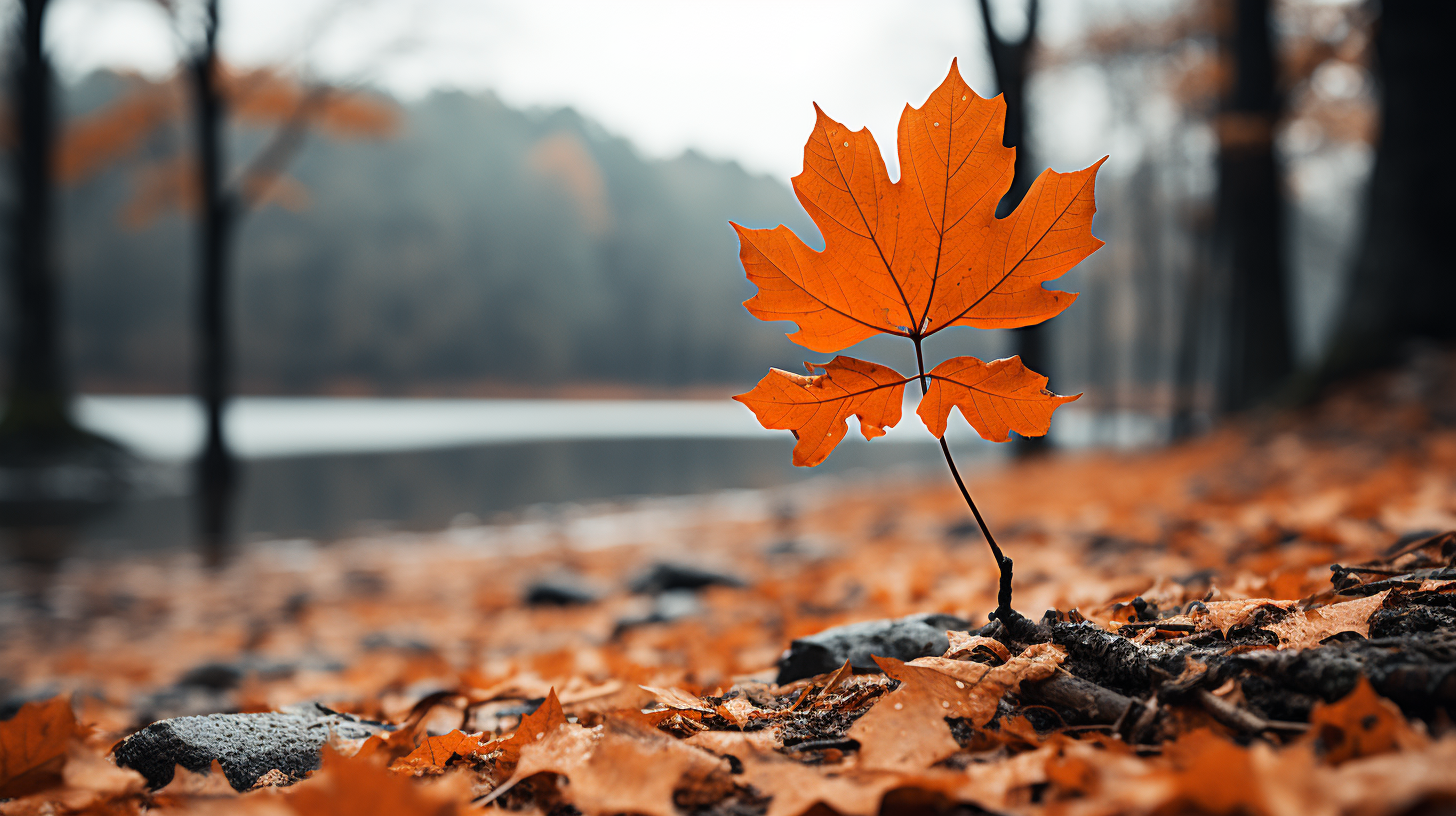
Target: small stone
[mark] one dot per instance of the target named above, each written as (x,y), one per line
(900,638)
(666,576)
(561,590)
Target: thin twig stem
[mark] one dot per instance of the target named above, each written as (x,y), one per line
(1003,611)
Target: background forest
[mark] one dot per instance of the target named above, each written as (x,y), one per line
(468,248)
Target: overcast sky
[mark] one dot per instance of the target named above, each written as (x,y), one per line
(733,80)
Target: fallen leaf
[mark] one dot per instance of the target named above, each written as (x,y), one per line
(434,752)
(617,767)
(795,788)
(355,786)
(815,407)
(964,644)
(534,726)
(906,729)
(678,699)
(736,743)
(210,783)
(739,711)
(983,686)
(33,746)
(1306,630)
(1360,724)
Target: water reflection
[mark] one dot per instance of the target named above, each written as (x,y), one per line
(334,496)
(331,468)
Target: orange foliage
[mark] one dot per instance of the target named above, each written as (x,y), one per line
(814,408)
(910,259)
(1361,724)
(33,746)
(261,97)
(359,787)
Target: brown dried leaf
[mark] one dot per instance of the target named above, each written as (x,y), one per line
(618,767)
(986,685)
(434,752)
(1361,724)
(964,644)
(676,698)
(33,741)
(354,786)
(1303,631)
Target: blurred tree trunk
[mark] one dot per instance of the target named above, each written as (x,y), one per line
(1248,236)
(216,468)
(1403,284)
(1011,61)
(36,409)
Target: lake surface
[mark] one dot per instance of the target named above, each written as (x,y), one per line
(327,468)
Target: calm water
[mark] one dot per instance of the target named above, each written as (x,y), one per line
(330,468)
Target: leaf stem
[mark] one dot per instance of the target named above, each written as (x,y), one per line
(1003,612)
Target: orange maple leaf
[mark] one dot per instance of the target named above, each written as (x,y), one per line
(533,728)
(911,258)
(435,752)
(33,745)
(359,786)
(814,408)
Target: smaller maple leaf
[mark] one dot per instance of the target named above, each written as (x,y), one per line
(996,398)
(815,407)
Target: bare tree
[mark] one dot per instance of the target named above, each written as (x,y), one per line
(221,203)
(1403,285)
(36,401)
(1248,231)
(1011,60)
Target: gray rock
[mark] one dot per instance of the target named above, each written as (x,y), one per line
(247,746)
(900,638)
(667,607)
(667,576)
(561,590)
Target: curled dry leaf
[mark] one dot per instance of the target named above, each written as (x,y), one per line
(33,746)
(739,711)
(965,644)
(676,698)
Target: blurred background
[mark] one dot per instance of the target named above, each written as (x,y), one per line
(318,269)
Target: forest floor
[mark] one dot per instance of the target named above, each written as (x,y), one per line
(1198,653)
